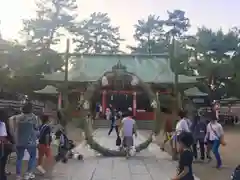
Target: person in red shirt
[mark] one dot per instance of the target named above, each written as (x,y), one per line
(45,139)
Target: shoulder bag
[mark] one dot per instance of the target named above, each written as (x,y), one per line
(221,138)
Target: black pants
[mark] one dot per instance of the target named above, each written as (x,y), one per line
(202,149)
(111,129)
(4,153)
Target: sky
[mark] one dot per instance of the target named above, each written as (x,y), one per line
(213,14)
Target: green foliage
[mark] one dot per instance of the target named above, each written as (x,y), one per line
(178,23)
(149,35)
(97,35)
(51,16)
(213,54)
(44,31)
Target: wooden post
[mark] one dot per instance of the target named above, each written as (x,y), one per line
(65,94)
(66,112)
(176,104)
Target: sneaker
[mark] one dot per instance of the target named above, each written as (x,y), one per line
(31,176)
(18,177)
(41,170)
(28,176)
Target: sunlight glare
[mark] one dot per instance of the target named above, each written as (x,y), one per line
(11,14)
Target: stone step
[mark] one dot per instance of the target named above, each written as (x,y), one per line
(141,124)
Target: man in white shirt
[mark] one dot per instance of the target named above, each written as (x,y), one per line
(128,129)
(183,124)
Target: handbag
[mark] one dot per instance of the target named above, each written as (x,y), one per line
(118,141)
(222,141)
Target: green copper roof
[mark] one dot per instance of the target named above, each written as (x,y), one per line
(194,92)
(47,90)
(152,69)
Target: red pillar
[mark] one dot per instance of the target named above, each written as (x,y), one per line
(134,103)
(104,103)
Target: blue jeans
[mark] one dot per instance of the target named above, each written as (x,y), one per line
(32,150)
(215,150)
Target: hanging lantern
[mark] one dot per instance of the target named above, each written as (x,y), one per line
(86,105)
(104,81)
(134,81)
(154,104)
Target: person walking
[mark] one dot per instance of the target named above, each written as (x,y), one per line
(6,143)
(199,129)
(113,122)
(215,137)
(183,125)
(44,148)
(128,130)
(25,126)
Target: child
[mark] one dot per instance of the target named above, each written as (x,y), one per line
(186,157)
(66,148)
(63,147)
(45,139)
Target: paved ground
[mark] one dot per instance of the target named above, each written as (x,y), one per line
(229,153)
(150,164)
(230,156)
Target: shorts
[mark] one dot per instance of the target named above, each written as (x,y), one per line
(128,141)
(44,150)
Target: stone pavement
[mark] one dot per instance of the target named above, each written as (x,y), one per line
(149,164)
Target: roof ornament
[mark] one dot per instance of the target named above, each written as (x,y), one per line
(104,81)
(86,105)
(119,67)
(134,81)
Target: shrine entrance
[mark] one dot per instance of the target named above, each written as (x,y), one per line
(120,100)
(111,84)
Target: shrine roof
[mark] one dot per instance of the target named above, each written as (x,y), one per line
(91,67)
(194,91)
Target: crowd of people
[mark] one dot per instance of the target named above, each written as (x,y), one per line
(189,136)
(124,125)
(24,132)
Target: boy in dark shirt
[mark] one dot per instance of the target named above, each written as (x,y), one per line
(45,139)
(186,157)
